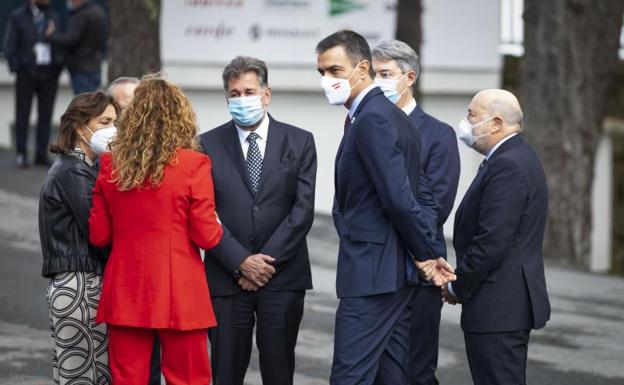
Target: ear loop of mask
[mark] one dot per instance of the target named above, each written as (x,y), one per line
(83,137)
(352,73)
(406,86)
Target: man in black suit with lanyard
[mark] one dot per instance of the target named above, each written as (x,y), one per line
(37,65)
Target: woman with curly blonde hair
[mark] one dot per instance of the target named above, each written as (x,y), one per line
(154,202)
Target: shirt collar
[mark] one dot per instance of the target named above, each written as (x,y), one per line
(80,154)
(358,99)
(409,107)
(262,130)
(497,145)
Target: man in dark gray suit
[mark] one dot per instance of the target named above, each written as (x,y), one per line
(498,238)
(264,175)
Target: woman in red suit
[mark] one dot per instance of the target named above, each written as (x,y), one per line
(154,202)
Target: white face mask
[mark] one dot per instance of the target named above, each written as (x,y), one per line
(338,90)
(390,88)
(465,131)
(101,138)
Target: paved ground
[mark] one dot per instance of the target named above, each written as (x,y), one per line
(583,344)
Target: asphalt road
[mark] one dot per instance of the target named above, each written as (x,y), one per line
(583,344)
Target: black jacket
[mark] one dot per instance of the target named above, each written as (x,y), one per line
(20,38)
(85,39)
(498,239)
(64,205)
(274,221)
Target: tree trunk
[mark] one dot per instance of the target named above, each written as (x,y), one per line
(409,30)
(571,53)
(134,45)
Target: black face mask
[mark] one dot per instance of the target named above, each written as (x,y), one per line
(42,6)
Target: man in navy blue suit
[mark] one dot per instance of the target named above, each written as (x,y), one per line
(37,65)
(396,68)
(498,238)
(383,229)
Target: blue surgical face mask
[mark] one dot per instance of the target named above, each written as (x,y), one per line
(390,88)
(246,110)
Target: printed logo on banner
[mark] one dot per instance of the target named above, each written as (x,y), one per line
(256,32)
(282,32)
(339,7)
(290,5)
(218,32)
(214,3)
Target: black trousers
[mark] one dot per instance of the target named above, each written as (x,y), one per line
(498,358)
(425,313)
(276,315)
(42,83)
(372,339)
(155,371)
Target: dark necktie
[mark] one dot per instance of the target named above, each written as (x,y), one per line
(482,165)
(254,160)
(347,123)
(40,24)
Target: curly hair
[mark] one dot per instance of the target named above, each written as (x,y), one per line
(159,121)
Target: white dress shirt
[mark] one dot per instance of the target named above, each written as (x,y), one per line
(358,99)
(262,131)
(409,107)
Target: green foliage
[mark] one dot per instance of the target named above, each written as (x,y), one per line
(153,7)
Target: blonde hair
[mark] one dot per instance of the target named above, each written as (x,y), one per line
(158,122)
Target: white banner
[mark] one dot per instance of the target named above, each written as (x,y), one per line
(281,32)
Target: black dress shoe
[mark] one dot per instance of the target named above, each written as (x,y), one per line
(21,161)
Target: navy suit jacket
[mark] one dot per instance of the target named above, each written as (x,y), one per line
(499,233)
(274,221)
(439,159)
(378,219)
(20,38)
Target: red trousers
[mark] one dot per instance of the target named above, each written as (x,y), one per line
(184,355)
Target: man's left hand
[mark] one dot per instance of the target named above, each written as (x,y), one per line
(438,271)
(247,285)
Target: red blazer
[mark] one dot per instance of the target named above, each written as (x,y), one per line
(155,277)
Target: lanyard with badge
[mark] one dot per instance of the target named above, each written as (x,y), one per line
(42,50)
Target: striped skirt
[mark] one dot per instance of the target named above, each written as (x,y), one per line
(80,345)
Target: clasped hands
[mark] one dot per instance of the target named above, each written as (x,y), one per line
(256,270)
(440,273)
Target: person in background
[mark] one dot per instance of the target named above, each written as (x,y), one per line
(122,90)
(154,202)
(84,43)
(37,65)
(80,345)
(396,67)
